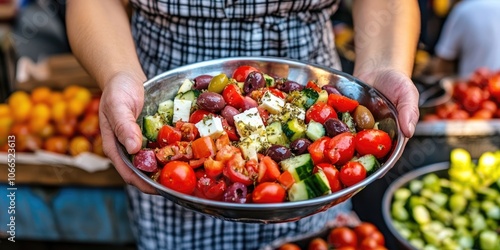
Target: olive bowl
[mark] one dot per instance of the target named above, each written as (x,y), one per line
(165,85)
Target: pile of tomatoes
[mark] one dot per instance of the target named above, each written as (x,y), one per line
(477,97)
(364,236)
(64,122)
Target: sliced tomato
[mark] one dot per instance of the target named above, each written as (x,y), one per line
(313,85)
(222,141)
(232,95)
(183,151)
(196,163)
(332,174)
(277,92)
(189,132)
(213,168)
(268,192)
(264,115)
(203,147)
(340,149)
(164,154)
(198,115)
(342,103)
(241,73)
(252,167)
(236,171)
(230,130)
(373,141)
(168,135)
(320,112)
(286,180)
(268,170)
(152,144)
(317,149)
(210,188)
(225,153)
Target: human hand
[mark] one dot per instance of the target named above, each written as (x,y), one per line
(121,103)
(401,91)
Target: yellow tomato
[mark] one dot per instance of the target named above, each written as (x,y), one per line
(75,107)
(70,91)
(55,97)
(41,95)
(20,106)
(56,144)
(78,145)
(41,112)
(59,111)
(4,110)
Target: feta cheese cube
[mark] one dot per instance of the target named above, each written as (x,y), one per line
(210,127)
(182,110)
(249,122)
(272,103)
(252,144)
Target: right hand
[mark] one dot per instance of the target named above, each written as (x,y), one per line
(121,103)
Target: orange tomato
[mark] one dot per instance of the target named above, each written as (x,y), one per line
(56,144)
(289,246)
(97,145)
(41,95)
(78,145)
(4,110)
(55,97)
(47,131)
(58,111)
(66,127)
(93,106)
(20,106)
(89,126)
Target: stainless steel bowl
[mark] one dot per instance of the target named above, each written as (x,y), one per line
(165,86)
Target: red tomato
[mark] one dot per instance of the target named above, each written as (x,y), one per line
(317,244)
(352,173)
(196,163)
(188,130)
(317,149)
(213,168)
(168,135)
(482,114)
(340,149)
(236,171)
(342,237)
(494,86)
(313,85)
(268,170)
(241,73)
(320,112)
(203,147)
(332,174)
(364,230)
(198,115)
(473,99)
(230,130)
(446,109)
(289,246)
(460,90)
(164,154)
(232,95)
(430,117)
(277,93)
(459,114)
(368,244)
(286,180)
(178,176)
(489,105)
(342,103)
(268,192)
(378,237)
(89,126)
(373,141)
(93,106)
(264,115)
(209,188)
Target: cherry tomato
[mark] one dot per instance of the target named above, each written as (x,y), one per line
(368,244)
(78,145)
(317,244)
(203,147)
(168,135)
(352,173)
(89,126)
(189,132)
(213,168)
(232,95)
(332,174)
(209,188)
(340,149)
(198,115)
(364,229)
(378,237)
(268,192)
(268,170)
(313,85)
(178,176)
(235,170)
(56,144)
(459,114)
(494,86)
(482,114)
(317,148)
(241,73)
(342,103)
(445,110)
(289,246)
(230,130)
(264,114)
(473,99)
(342,237)
(373,141)
(93,106)
(164,154)
(225,153)
(320,112)
(489,105)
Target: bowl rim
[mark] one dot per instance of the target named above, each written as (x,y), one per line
(397,151)
(400,182)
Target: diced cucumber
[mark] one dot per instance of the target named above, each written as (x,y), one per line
(349,121)
(323,96)
(185,86)
(300,166)
(275,134)
(166,111)
(311,187)
(290,110)
(190,95)
(304,98)
(294,129)
(315,130)
(370,163)
(269,80)
(151,124)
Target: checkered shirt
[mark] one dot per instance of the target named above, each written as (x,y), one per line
(172,33)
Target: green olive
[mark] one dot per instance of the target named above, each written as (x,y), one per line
(218,83)
(363,118)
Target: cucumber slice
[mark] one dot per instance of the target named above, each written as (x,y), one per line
(300,166)
(315,130)
(294,129)
(275,134)
(311,187)
(304,98)
(166,111)
(323,96)
(151,124)
(185,86)
(370,163)
(269,80)
(190,95)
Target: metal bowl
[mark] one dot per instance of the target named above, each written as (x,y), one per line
(440,169)
(165,86)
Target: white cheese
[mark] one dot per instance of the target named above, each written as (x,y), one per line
(210,127)
(252,144)
(293,111)
(272,103)
(182,109)
(249,122)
